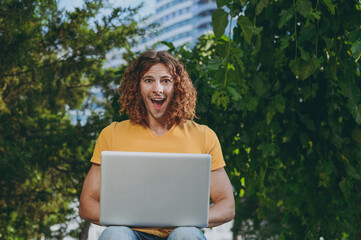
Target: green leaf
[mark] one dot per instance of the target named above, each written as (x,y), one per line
(257,47)
(330,6)
(243,2)
(304,139)
(280,103)
(221,50)
(316,16)
(225,38)
(221,3)
(345,187)
(220,97)
(331,72)
(356,135)
(355,35)
(304,55)
(247,28)
(168,44)
(294,66)
(308,122)
(328,42)
(269,116)
(234,93)
(356,50)
(353,94)
(284,42)
(219,22)
(220,74)
(285,16)
(260,6)
(256,30)
(3,106)
(202,107)
(258,86)
(214,63)
(307,33)
(356,112)
(251,103)
(303,69)
(351,171)
(240,62)
(304,7)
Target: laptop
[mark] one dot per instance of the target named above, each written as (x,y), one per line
(142,189)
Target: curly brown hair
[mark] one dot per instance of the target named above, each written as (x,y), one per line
(183,104)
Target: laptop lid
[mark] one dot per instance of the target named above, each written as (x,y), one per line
(154,189)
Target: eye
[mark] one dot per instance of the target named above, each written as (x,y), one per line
(147,80)
(167,80)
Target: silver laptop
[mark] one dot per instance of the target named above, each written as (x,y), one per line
(141,189)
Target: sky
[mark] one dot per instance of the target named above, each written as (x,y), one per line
(147,9)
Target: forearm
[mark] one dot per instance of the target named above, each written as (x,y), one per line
(89,209)
(89,199)
(221,212)
(223,209)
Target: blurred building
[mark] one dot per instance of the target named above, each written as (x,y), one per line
(177,21)
(180,21)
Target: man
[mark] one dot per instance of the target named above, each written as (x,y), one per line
(160,99)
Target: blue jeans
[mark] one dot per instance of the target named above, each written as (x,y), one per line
(125,233)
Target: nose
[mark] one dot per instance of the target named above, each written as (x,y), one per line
(158,87)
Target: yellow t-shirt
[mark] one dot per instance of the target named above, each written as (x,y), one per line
(188,138)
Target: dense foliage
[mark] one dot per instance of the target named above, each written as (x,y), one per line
(283,80)
(49,59)
(280,84)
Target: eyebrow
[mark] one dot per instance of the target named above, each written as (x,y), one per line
(165,76)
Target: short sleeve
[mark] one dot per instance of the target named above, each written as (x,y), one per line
(103,143)
(213,147)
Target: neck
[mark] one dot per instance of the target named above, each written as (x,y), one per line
(157,127)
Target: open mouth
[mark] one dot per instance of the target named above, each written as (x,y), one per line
(158,103)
